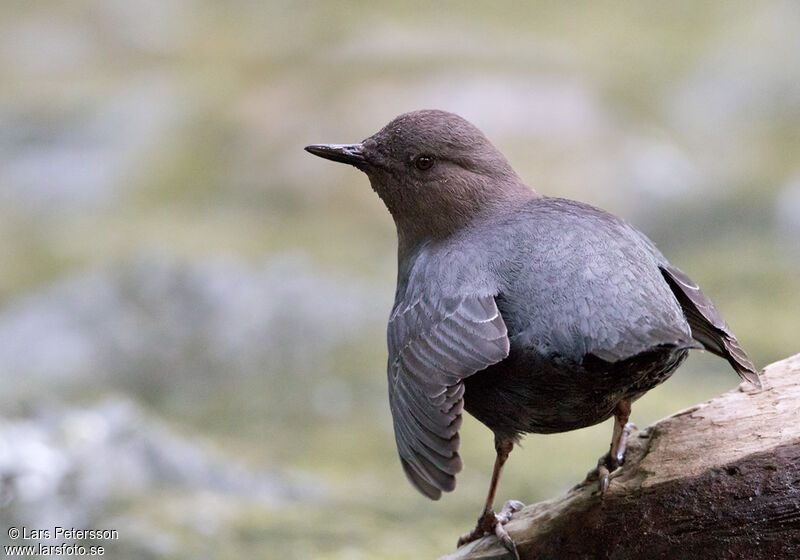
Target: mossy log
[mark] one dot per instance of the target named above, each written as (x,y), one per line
(718,480)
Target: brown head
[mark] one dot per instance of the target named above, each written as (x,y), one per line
(434,171)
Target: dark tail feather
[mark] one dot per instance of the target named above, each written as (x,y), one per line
(708,327)
(740,362)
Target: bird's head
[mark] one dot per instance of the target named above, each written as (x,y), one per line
(434,171)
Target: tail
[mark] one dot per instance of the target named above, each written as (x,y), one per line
(708,326)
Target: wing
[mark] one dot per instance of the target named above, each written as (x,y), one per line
(433,346)
(708,326)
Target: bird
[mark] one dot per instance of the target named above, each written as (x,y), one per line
(535,314)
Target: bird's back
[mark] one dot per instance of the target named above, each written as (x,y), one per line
(589,315)
(581,281)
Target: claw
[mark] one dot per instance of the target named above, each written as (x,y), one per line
(493,523)
(506,541)
(511,507)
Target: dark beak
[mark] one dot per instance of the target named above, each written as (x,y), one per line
(343,153)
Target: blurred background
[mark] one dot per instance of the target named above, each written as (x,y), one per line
(192,308)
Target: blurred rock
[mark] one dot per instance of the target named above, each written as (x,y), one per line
(75,466)
(155,324)
(66,158)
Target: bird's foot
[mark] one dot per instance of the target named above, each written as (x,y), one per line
(608,463)
(491,523)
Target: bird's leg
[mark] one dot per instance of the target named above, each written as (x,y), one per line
(615,457)
(489,522)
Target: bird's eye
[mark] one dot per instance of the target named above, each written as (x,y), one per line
(424,162)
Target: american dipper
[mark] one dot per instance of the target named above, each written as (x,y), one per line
(535,314)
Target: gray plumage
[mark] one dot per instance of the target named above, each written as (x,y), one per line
(535,314)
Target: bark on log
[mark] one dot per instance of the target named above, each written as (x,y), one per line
(718,480)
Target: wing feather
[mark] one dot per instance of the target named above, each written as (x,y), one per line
(433,346)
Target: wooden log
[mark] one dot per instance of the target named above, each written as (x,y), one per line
(718,480)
